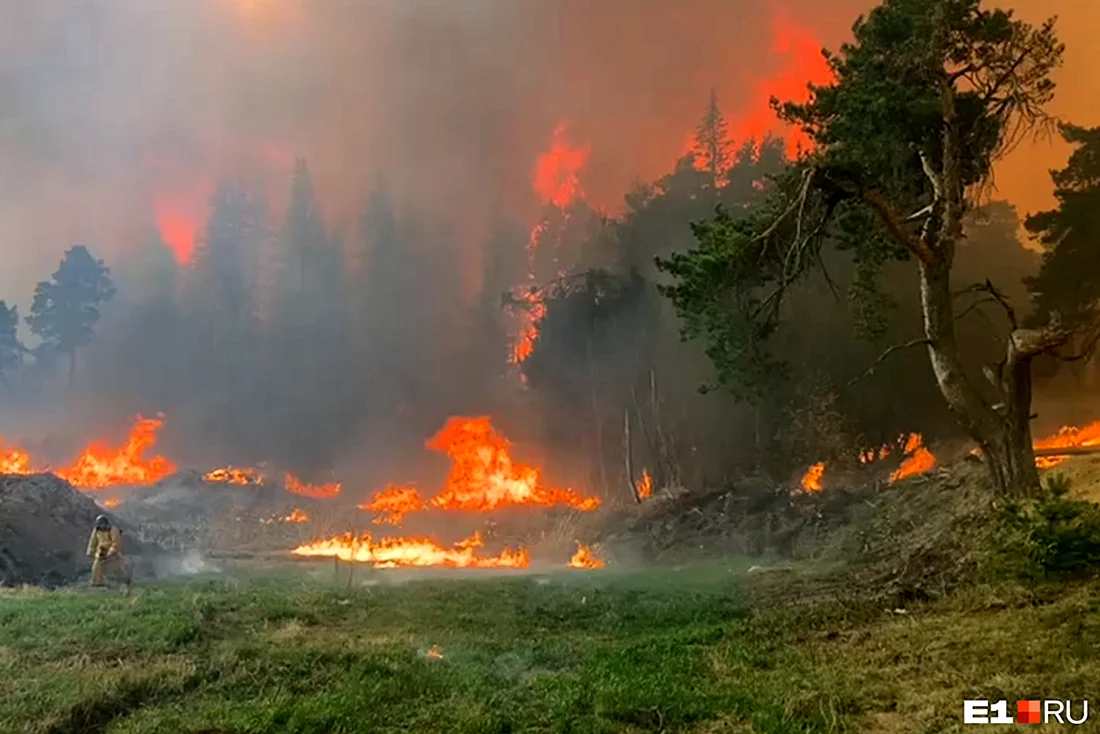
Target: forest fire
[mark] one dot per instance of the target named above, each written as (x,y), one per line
(412,552)
(484,477)
(317,491)
(100,466)
(556,177)
(396,502)
(585,558)
(241,476)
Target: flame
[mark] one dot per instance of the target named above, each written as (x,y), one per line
(556,177)
(483,475)
(234,475)
(435,653)
(1067,437)
(918,459)
(316,491)
(14,461)
(528,331)
(811,481)
(112,502)
(645,485)
(100,466)
(296,516)
(798,54)
(585,558)
(406,552)
(396,502)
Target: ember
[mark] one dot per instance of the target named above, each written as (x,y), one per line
(585,558)
(411,552)
(100,466)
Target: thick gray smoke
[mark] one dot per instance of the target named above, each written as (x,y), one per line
(120,115)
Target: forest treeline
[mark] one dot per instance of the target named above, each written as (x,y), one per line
(291,341)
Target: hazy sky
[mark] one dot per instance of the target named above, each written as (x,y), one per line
(118,113)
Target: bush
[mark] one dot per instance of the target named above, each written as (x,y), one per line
(1053,535)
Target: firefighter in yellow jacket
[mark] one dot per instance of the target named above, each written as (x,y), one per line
(105,550)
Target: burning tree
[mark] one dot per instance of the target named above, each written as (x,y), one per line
(65,309)
(925,100)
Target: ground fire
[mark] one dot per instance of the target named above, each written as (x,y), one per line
(1067,437)
(412,552)
(585,558)
(317,491)
(916,460)
(395,502)
(241,476)
(484,477)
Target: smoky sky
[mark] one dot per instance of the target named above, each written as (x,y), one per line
(115,114)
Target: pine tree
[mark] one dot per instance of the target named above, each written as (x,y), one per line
(713,149)
(66,308)
(11,349)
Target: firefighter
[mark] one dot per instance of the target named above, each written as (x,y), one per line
(105,550)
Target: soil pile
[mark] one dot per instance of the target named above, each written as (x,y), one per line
(44,529)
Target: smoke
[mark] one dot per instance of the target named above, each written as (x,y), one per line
(122,115)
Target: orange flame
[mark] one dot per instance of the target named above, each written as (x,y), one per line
(234,475)
(918,459)
(296,516)
(798,52)
(434,653)
(483,475)
(585,558)
(406,552)
(14,461)
(557,171)
(645,485)
(396,502)
(316,491)
(112,502)
(811,480)
(1067,437)
(100,466)
(528,331)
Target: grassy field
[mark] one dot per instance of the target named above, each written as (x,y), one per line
(702,649)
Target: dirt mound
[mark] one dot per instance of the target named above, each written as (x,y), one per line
(44,528)
(913,539)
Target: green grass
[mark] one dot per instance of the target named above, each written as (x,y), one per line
(693,649)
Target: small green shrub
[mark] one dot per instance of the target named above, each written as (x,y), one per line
(1053,535)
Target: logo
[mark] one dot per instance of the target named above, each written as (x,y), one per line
(1027,712)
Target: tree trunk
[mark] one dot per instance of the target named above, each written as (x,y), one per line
(72,371)
(1002,430)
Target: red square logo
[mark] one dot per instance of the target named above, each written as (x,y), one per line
(1028,712)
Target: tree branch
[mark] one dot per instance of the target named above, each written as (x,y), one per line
(892,221)
(882,357)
